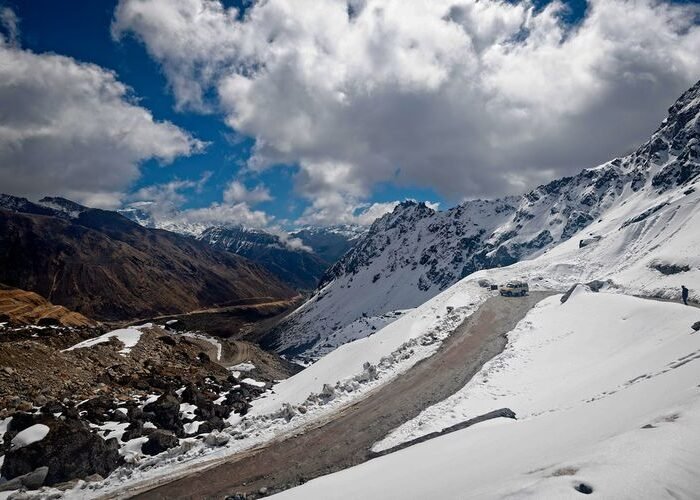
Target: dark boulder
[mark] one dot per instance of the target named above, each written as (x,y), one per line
(568,293)
(696,326)
(99,409)
(48,322)
(214,423)
(159,441)
(53,407)
(31,481)
(70,450)
(167,340)
(165,413)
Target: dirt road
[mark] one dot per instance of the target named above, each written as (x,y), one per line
(346,440)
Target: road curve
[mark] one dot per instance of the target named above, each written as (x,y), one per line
(346,440)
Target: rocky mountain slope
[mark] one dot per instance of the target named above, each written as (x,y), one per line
(329,243)
(110,268)
(414,253)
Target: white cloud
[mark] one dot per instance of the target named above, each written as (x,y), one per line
(236,191)
(9,22)
(163,201)
(469,97)
(334,209)
(224,213)
(72,129)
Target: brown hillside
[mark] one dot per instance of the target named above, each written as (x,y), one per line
(29,308)
(109,268)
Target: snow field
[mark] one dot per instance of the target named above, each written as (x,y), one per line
(606,392)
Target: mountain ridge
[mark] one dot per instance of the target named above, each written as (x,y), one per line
(107,267)
(413,253)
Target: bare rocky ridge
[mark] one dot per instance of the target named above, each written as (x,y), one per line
(110,268)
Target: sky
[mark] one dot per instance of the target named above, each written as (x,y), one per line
(293,112)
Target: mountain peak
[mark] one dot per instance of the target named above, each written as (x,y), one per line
(66,206)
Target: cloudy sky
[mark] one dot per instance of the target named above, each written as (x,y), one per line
(288,112)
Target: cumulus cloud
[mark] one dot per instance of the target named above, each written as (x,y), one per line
(164,200)
(164,203)
(227,214)
(349,211)
(472,98)
(236,191)
(72,129)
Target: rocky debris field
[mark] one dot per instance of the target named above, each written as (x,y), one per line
(76,403)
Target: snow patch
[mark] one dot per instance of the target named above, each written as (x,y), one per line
(31,434)
(127,336)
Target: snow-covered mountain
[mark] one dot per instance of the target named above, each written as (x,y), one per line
(331,242)
(299,267)
(299,258)
(414,253)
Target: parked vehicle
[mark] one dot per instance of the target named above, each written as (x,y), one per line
(514,289)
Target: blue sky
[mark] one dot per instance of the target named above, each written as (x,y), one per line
(428,124)
(81,30)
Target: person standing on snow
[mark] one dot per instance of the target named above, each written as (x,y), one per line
(684,294)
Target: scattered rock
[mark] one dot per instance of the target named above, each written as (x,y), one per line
(159,441)
(668,268)
(25,406)
(596,285)
(167,340)
(166,413)
(31,481)
(216,438)
(583,488)
(94,478)
(70,450)
(568,293)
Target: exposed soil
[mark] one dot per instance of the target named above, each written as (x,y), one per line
(28,308)
(347,439)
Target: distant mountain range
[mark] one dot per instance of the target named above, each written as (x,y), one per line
(413,253)
(108,267)
(299,258)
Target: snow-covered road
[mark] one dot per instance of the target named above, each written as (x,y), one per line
(346,440)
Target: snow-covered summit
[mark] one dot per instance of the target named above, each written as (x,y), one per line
(62,205)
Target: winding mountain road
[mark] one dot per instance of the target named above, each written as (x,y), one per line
(346,440)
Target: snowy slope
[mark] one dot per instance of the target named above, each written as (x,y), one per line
(414,253)
(585,387)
